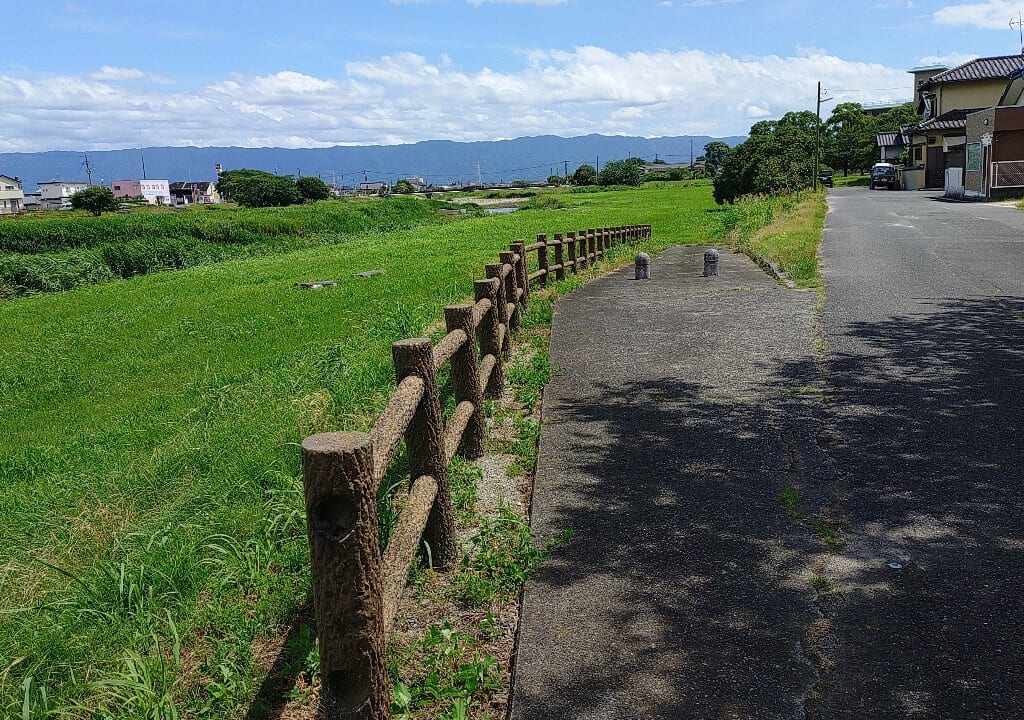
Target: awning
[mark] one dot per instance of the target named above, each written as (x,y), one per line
(952,142)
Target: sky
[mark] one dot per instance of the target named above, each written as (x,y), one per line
(107,74)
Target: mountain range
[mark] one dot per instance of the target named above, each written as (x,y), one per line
(436,161)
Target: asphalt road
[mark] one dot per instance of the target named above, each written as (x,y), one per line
(924,361)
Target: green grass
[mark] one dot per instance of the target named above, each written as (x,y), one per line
(57,251)
(786,230)
(149,448)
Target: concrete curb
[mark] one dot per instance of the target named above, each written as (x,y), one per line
(769,267)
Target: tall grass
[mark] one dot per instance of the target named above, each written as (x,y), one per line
(151,525)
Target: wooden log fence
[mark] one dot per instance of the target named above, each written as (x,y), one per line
(357,589)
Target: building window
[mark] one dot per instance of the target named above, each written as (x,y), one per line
(932,139)
(917,153)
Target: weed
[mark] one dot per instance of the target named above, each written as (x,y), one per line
(820,583)
(463,478)
(500,559)
(790,500)
(829,531)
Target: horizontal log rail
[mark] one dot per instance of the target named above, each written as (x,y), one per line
(357,589)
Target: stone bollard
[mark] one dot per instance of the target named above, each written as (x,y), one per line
(643,266)
(711,263)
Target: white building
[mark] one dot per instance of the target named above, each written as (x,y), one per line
(155,192)
(56,194)
(12,197)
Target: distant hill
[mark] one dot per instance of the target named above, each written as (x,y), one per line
(437,161)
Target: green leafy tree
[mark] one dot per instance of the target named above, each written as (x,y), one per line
(312,188)
(256,188)
(714,156)
(96,199)
(585,175)
(849,138)
(621,172)
(555,180)
(777,158)
(404,187)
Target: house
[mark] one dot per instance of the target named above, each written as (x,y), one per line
(155,192)
(945,98)
(994,146)
(194,193)
(12,197)
(373,187)
(56,194)
(892,145)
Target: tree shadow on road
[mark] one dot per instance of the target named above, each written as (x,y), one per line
(686,591)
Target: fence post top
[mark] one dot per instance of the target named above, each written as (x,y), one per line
(460,308)
(412,342)
(488,283)
(336,442)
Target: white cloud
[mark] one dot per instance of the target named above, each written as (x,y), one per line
(949,60)
(116,74)
(995,14)
(406,98)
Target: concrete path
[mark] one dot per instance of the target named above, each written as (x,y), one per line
(680,409)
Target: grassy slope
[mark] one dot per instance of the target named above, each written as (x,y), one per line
(149,439)
(786,230)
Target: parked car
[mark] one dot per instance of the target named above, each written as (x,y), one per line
(825,178)
(883,175)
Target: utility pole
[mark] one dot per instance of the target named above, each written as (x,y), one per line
(566,163)
(817,135)
(88,168)
(598,164)
(1019,24)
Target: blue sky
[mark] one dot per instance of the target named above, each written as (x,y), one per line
(100,74)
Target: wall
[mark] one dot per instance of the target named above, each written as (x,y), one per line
(978,124)
(968,95)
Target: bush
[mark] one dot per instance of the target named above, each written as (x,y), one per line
(312,188)
(95,199)
(621,172)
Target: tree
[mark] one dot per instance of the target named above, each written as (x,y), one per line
(849,138)
(777,158)
(256,188)
(621,172)
(584,175)
(715,153)
(555,180)
(96,199)
(404,187)
(312,188)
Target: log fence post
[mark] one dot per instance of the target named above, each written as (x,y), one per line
(487,332)
(466,379)
(592,245)
(345,563)
(559,257)
(424,443)
(500,304)
(571,246)
(542,258)
(522,279)
(509,286)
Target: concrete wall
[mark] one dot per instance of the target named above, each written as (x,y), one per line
(978,125)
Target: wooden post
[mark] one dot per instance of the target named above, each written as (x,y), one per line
(592,245)
(488,335)
(521,273)
(509,286)
(542,258)
(341,522)
(581,256)
(424,444)
(465,379)
(501,303)
(571,238)
(559,257)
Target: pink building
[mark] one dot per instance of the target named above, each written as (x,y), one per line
(156,192)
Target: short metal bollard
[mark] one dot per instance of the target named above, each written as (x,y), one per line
(711,263)
(643,266)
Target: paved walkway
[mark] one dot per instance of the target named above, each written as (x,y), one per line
(680,410)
